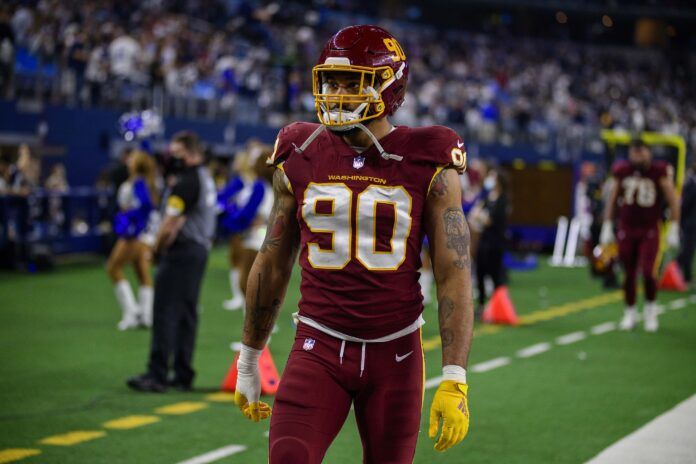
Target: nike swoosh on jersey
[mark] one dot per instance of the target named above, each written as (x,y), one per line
(401,358)
(460,144)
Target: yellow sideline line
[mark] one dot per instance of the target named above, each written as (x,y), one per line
(220,397)
(72,438)
(130,422)
(540,315)
(123,423)
(184,407)
(15,454)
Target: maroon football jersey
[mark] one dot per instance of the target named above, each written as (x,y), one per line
(361,223)
(640,198)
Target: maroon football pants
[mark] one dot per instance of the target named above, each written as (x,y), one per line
(318,386)
(638,248)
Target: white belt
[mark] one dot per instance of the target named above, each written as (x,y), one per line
(415,325)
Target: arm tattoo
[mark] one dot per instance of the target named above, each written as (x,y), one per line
(262,316)
(446,337)
(440,184)
(277,221)
(457,232)
(445,310)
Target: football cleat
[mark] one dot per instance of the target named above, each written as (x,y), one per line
(650,321)
(234,304)
(128,323)
(629,320)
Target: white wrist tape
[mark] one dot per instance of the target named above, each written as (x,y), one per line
(249,355)
(454,373)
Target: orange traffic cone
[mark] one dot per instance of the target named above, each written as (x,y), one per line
(499,309)
(269,374)
(672,278)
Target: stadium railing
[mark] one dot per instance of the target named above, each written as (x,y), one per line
(41,225)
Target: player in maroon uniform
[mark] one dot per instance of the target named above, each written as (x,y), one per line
(355,197)
(640,188)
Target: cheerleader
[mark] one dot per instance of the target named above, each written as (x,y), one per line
(248,216)
(136,227)
(228,197)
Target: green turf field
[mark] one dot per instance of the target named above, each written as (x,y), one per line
(63,368)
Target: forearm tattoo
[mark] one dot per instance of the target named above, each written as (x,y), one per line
(457,232)
(445,310)
(262,316)
(277,224)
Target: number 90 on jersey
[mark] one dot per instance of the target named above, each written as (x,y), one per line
(338,222)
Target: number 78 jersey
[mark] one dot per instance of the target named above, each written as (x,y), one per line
(640,198)
(361,223)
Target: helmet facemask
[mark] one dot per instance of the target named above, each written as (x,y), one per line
(334,109)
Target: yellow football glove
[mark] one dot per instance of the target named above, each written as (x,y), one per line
(253,411)
(450,405)
(249,386)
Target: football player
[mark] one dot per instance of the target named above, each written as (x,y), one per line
(355,197)
(640,187)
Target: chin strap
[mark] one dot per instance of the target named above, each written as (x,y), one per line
(382,153)
(310,139)
(322,127)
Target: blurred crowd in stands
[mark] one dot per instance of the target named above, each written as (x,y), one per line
(233,59)
(22,175)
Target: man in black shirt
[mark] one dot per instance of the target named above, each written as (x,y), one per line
(183,242)
(688,224)
(490,218)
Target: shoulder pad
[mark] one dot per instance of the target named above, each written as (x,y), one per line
(621,168)
(440,146)
(289,139)
(661,167)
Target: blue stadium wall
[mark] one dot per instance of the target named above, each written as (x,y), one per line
(86,134)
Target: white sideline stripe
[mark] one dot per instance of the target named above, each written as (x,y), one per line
(603,328)
(572,337)
(539,348)
(667,438)
(215,455)
(533,350)
(491,364)
(678,304)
